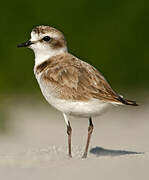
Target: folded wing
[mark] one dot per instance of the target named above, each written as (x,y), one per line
(77,80)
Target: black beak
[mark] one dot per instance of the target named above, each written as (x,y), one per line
(26,44)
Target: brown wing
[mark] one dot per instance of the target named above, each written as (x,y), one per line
(76,80)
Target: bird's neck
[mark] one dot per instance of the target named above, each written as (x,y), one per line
(42,56)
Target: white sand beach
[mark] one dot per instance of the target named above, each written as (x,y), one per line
(35,146)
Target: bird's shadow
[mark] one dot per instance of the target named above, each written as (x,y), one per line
(99,151)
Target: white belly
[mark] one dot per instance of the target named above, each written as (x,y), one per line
(93,107)
(77,108)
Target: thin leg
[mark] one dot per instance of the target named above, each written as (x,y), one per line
(69,132)
(90,130)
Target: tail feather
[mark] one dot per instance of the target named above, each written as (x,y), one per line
(127,102)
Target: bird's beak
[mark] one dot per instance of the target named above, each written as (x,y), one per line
(26,44)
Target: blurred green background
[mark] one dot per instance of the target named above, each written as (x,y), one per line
(111,35)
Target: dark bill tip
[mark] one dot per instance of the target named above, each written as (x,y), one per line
(26,44)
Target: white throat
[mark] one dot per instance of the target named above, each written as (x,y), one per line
(43,55)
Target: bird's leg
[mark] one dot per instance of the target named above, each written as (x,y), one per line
(69,132)
(90,130)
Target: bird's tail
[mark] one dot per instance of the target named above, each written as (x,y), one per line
(127,102)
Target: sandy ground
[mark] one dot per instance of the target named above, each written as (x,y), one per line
(35,146)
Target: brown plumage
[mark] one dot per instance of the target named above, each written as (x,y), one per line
(73,79)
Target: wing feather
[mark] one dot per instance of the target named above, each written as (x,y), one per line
(77,80)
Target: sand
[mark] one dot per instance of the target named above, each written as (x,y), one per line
(35,145)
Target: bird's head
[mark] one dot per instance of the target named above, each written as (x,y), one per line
(46,40)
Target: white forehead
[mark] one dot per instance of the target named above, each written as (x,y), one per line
(37,36)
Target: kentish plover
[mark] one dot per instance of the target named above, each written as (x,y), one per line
(71,85)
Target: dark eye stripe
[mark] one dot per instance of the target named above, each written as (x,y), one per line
(46,38)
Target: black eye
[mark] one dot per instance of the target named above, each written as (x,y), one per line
(46,38)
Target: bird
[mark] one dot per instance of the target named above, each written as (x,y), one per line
(69,84)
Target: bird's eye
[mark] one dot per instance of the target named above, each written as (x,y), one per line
(46,38)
